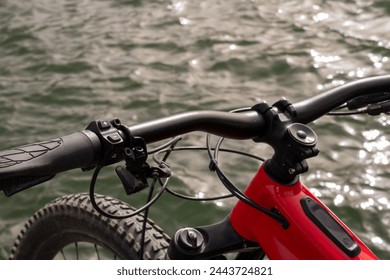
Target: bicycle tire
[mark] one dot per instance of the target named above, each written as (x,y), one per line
(71,219)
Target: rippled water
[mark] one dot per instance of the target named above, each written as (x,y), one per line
(64,63)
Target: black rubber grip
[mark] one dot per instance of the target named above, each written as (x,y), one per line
(29,165)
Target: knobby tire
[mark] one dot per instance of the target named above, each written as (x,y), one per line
(71,219)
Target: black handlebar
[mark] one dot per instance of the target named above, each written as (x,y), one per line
(315,107)
(26,166)
(247,125)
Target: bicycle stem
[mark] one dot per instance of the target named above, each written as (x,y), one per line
(292,142)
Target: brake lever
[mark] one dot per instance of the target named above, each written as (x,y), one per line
(130,182)
(134,182)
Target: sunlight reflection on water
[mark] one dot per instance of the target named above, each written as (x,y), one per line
(140,60)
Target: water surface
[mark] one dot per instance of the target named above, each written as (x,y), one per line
(64,63)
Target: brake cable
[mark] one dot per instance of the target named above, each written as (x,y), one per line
(213,166)
(373,104)
(234,190)
(231,186)
(202,148)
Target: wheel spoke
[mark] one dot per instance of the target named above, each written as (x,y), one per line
(97,252)
(77,250)
(63,255)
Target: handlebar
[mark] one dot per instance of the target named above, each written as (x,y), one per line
(26,166)
(315,107)
(240,126)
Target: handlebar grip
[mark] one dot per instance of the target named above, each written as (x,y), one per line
(29,165)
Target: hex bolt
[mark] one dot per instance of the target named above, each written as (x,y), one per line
(292,171)
(190,238)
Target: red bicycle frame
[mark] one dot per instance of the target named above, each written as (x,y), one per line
(303,239)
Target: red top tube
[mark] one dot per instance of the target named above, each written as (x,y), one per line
(303,239)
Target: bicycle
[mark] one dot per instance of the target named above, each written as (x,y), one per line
(275,217)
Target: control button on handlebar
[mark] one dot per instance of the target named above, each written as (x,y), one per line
(103,125)
(114,138)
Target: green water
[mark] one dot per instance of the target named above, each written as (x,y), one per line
(64,63)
